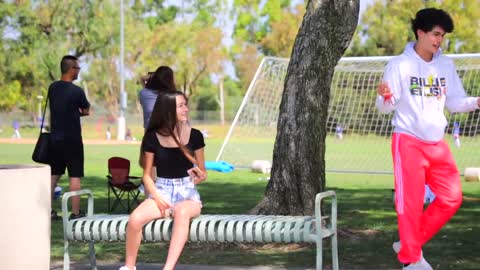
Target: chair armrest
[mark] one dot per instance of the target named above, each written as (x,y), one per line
(137,180)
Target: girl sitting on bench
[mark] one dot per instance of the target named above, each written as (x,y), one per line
(177,151)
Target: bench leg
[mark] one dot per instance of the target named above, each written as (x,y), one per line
(335,252)
(93,260)
(333,227)
(319,254)
(66,256)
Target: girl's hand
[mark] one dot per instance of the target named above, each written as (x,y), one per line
(162,204)
(197,175)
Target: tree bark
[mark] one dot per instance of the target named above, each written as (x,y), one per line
(298,169)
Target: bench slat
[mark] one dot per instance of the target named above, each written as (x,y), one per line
(122,229)
(213,228)
(237,232)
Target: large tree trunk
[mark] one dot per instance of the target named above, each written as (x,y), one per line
(298,170)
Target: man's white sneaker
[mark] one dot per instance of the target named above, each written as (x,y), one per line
(420,265)
(126,268)
(396,246)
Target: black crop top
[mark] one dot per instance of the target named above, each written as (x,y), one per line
(170,161)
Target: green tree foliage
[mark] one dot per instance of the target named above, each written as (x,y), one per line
(248,21)
(385,26)
(203,11)
(247,33)
(205,97)
(192,47)
(10,96)
(280,38)
(234,95)
(153,12)
(102,77)
(263,28)
(466,16)
(41,32)
(246,64)
(193,51)
(20,78)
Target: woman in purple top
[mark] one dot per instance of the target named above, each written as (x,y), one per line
(161,80)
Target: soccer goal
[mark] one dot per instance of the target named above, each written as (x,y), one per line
(358,137)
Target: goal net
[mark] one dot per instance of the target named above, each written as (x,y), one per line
(358,136)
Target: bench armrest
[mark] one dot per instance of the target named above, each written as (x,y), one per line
(68,195)
(333,211)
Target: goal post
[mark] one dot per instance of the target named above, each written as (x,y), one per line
(358,136)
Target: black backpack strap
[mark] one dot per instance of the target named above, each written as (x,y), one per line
(44,111)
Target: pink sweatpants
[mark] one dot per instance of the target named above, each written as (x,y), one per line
(416,163)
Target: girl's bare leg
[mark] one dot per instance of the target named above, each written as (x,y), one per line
(184,212)
(145,212)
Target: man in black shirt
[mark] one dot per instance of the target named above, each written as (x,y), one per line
(67,104)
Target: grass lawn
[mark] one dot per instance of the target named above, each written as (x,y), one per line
(366,216)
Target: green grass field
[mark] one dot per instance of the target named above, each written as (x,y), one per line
(367,222)
(355,153)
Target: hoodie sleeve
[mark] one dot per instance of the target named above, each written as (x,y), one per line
(456,98)
(392,78)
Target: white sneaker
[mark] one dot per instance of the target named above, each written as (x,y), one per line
(420,265)
(396,246)
(126,268)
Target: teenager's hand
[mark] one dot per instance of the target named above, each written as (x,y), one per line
(197,175)
(384,90)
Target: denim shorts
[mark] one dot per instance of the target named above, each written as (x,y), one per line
(177,190)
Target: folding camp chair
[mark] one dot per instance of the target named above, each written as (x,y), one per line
(120,185)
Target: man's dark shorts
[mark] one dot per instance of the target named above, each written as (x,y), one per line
(69,155)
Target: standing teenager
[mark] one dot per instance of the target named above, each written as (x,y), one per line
(417,85)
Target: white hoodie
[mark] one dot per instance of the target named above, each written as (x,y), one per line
(421,90)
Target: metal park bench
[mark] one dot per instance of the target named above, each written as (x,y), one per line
(208,228)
